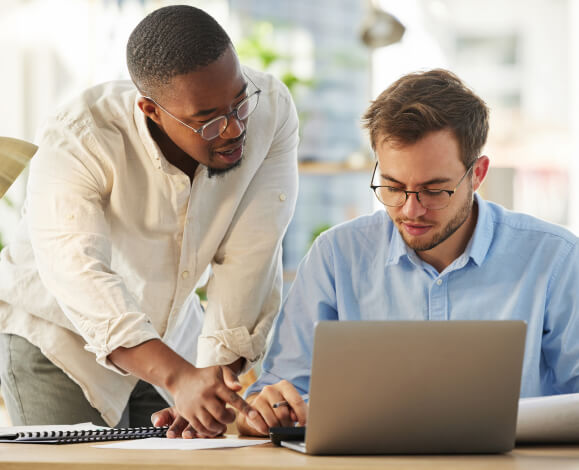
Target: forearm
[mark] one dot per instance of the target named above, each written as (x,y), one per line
(155,362)
(152,361)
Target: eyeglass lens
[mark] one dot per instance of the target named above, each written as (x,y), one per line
(394,197)
(216,127)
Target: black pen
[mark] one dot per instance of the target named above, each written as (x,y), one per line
(305,397)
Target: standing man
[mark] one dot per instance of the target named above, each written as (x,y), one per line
(135,190)
(438,252)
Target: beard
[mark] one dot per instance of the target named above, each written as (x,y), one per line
(211,172)
(442,235)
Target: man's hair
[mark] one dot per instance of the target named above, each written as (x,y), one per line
(172,41)
(422,102)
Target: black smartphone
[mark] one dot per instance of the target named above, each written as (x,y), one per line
(287,433)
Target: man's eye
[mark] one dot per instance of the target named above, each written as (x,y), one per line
(392,190)
(432,192)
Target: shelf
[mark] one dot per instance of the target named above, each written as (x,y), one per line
(329,168)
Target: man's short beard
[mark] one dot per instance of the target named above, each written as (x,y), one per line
(450,228)
(211,172)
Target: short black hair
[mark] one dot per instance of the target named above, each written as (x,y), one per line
(171,41)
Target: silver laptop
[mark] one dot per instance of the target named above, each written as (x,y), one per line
(414,387)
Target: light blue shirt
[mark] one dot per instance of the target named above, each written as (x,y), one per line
(515,267)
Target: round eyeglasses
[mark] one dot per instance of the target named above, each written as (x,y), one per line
(217,126)
(434,199)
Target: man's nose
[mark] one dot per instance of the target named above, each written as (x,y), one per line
(234,129)
(412,208)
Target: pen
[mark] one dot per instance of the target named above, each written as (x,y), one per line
(305,397)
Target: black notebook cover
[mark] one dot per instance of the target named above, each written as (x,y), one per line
(91,435)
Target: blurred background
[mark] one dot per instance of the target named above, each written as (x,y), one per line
(521,56)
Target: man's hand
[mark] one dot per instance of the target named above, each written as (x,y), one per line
(285,415)
(201,394)
(178,426)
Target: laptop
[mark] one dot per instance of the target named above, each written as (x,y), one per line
(412,387)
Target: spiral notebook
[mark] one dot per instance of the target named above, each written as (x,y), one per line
(73,436)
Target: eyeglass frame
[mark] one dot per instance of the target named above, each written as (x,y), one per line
(450,192)
(233,112)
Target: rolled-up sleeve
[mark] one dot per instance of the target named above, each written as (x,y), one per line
(245,288)
(70,236)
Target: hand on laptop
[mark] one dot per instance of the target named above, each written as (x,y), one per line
(293,410)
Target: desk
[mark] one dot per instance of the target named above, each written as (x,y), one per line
(266,456)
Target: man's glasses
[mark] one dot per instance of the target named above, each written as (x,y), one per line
(434,199)
(217,126)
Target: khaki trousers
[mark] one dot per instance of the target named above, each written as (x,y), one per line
(37,392)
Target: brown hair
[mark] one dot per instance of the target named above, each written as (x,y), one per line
(421,102)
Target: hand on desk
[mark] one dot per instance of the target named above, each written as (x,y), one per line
(294,409)
(215,386)
(203,397)
(200,394)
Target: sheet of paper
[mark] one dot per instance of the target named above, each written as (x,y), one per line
(551,419)
(50,427)
(157,443)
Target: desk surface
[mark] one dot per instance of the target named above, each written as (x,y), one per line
(266,456)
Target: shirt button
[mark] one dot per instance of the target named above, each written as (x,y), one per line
(439,281)
(282,197)
(185,274)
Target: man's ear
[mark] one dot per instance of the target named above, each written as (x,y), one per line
(479,172)
(149,109)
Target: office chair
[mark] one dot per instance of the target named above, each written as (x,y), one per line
(14,156)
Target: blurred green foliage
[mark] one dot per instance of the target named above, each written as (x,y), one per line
(318,231)
(258,48)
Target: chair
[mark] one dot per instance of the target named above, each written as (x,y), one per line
(14,156)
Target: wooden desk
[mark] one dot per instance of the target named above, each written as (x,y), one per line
(86,457)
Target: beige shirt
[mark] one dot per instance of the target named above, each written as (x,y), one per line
(114,239)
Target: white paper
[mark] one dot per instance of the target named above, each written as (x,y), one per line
(50,427)
(551,419)
(161,443)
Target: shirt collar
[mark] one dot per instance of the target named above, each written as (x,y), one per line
(476,249)
(153,150)
(480,242)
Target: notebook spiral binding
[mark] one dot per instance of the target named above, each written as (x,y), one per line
(91,435)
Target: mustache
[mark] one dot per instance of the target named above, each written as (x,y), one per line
(237,139)
(414,221)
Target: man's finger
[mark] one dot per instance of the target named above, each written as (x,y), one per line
(201,430)
(231,379)
(177,427)
(219,411)
(258,424)
(163,417)
(229,396)
(189,433)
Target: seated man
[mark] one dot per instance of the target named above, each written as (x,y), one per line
(438,252)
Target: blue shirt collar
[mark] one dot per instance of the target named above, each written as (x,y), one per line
(476,249)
